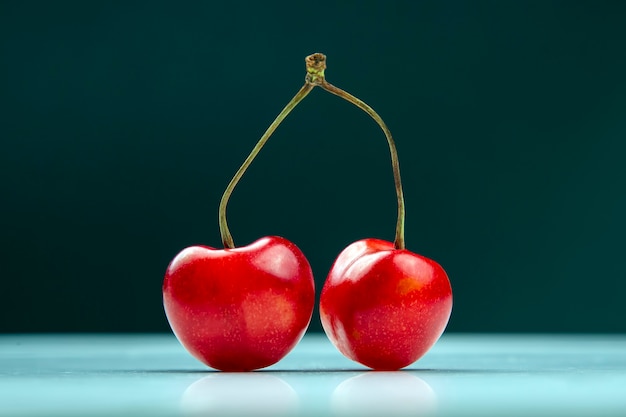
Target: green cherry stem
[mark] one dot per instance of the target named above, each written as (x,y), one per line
(320,60)
(227,238)
(315,66)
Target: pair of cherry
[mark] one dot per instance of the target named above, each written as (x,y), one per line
(240,309)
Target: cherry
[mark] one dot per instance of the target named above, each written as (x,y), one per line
(382,305)
(240,309)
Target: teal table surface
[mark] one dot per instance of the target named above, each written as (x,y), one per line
(463,375)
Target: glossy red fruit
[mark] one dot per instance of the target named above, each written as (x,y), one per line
(239,309)
(384,307)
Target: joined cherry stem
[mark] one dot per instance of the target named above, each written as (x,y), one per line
(227,237)
(315,66)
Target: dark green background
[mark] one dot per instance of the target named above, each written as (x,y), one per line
(122,122)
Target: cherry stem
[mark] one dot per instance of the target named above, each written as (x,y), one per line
(315,66)
(320,62)
(227,238)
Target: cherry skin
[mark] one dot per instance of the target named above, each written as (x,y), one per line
(384,307)
(239,309)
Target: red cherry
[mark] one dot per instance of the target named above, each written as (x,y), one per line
(381,305)
(239,309)
(384,307)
